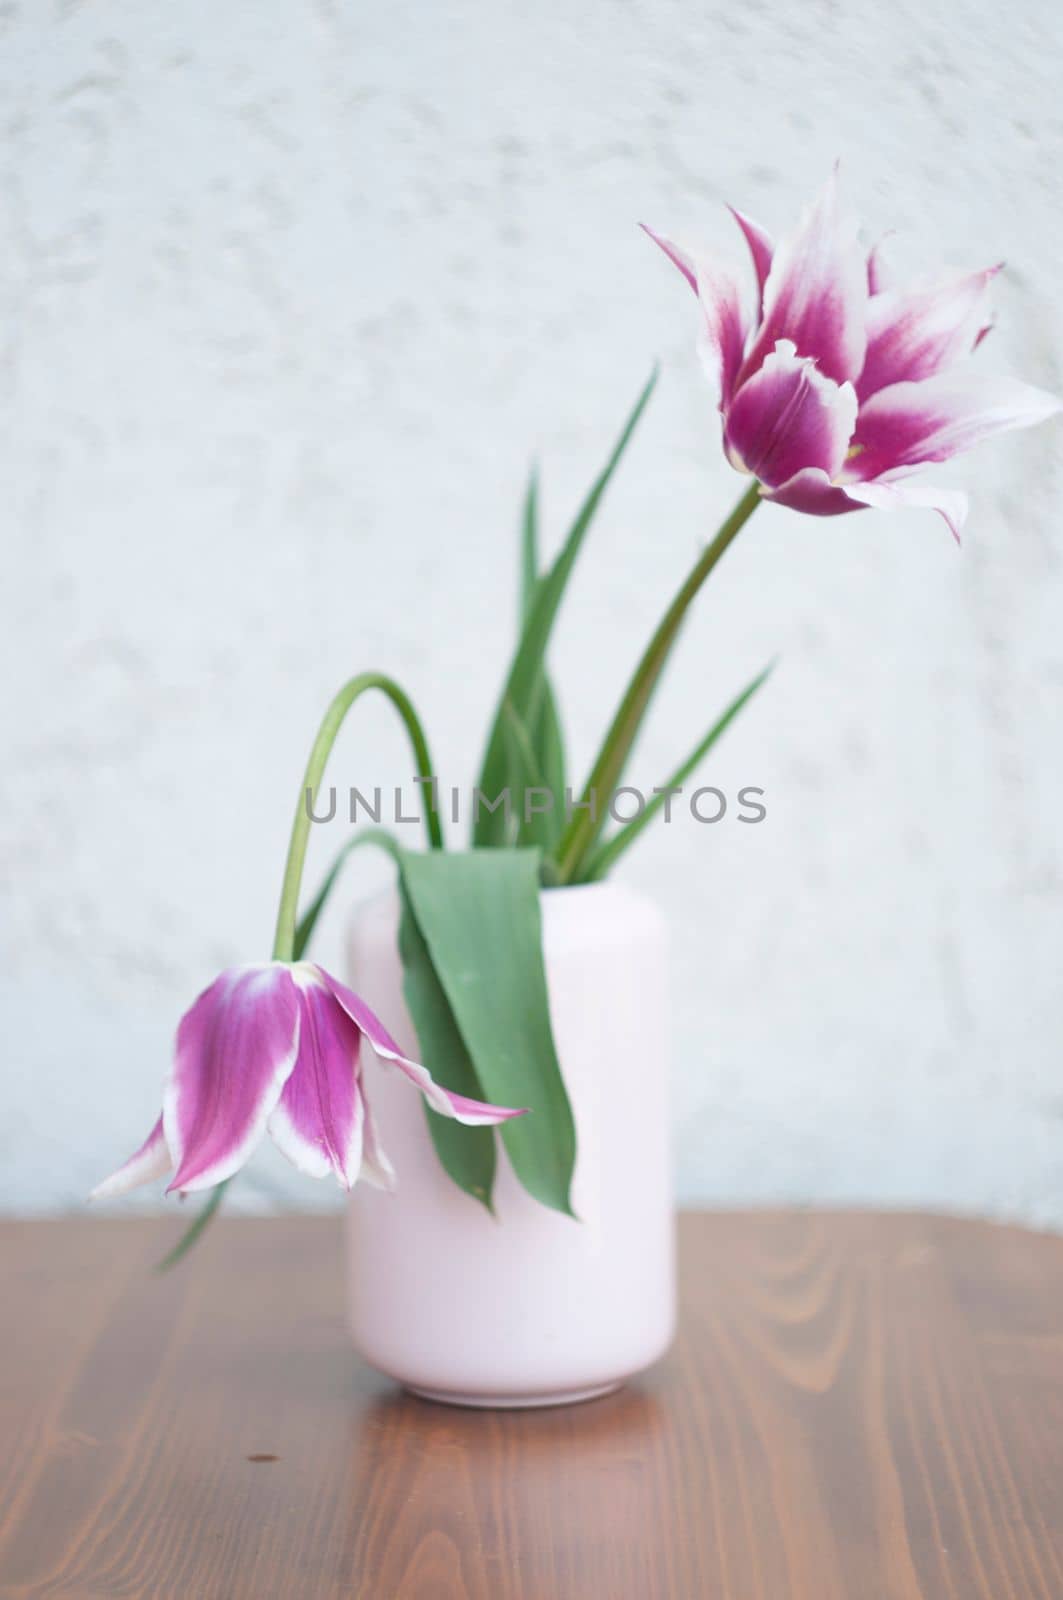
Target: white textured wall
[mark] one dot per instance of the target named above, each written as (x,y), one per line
(290,293)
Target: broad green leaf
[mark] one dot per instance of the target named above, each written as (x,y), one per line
(467,1154)
(606,855)
(478,913)
(524,681)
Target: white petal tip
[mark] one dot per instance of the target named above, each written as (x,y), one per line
(112,1187)
(676,255)
(151,1161)
(1033,405)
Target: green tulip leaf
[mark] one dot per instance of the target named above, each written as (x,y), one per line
(524,689)
(606,855)
(467,1154)
(478,916)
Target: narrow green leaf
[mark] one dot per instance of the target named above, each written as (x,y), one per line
(478,913)
(549,742)
(582,830)
(525,674)
(308,921)
(606,854)
(529,546)
(534,828)
(467,1154)
(536,751)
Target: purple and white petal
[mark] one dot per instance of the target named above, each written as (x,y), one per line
(787,417)
(236,1048)
(676,254)
(900,494)
(812,492)
(318,1120)
(761,249)
(723,333)
(879,277)
(910,423)
(376,1168)
(474,1113)
(151,1161)
(722,341)
(913,336)
(816,293)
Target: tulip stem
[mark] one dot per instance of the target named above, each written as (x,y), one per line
(195,1228)
(287,912)
(588,818)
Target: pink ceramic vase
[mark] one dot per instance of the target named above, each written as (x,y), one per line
(529,1307)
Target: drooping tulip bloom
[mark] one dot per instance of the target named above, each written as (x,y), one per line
(840,388)
(277,1047)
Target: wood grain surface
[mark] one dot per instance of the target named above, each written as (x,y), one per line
(857,1408)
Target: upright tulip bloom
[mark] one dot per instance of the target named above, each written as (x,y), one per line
(840,388)
(277,1047)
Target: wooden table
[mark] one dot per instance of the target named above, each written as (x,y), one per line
(858,1407)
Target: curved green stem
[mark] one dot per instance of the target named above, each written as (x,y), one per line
(291,939)
(587,820)
(287,911)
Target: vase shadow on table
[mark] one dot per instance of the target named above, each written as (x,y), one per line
(629,1416)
